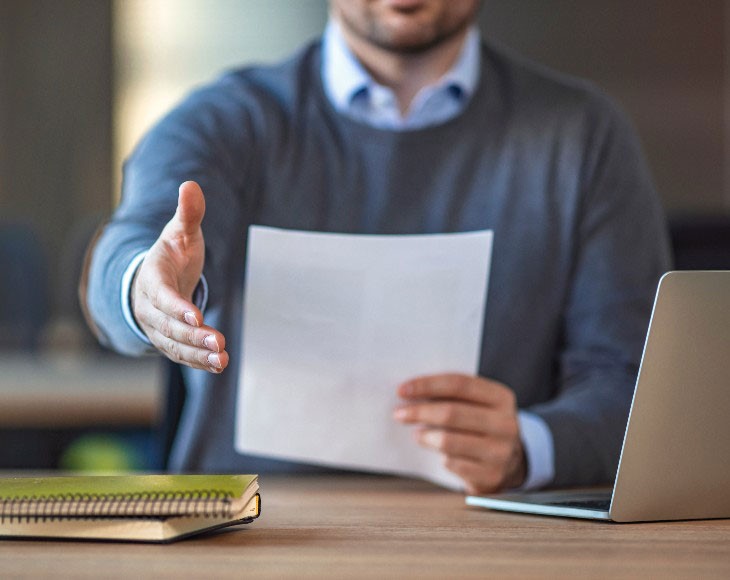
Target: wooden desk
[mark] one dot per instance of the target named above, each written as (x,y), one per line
(46,391)
(378,527)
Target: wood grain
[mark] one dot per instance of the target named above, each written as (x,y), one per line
(380,527)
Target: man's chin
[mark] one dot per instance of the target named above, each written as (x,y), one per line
(404,26)
(407,39)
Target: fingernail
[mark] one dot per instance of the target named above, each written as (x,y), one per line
(401,414)
(190,319)
(211,343)
(406,389)
(429,438)
(215,360)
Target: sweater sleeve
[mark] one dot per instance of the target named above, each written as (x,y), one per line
(621,251)
(202,139)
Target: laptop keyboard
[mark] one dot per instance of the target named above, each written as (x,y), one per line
(591,504)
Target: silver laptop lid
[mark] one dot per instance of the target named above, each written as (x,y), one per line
(675,462)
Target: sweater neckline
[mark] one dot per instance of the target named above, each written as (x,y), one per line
(466,117)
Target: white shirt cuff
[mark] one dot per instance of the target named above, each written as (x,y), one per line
(539,449)
(200,296)
(126,294)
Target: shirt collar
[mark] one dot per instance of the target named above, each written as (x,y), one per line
(344,77)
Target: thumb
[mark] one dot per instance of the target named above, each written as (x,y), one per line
(190,208)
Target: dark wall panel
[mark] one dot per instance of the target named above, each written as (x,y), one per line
(663,60)
(55,109)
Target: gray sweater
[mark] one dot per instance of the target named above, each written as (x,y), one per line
(545,161)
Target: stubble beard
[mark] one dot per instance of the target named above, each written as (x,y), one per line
(420,41)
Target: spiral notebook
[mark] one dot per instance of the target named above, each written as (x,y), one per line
(144,508)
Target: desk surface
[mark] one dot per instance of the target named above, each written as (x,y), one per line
(368,526)
(76,391)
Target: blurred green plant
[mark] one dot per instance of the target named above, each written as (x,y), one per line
(101,453)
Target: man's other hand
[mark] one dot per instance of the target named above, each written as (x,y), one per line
(472,422)
(162,289)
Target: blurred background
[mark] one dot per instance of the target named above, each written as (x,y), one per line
(81,80)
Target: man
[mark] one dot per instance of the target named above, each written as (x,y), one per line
(402,121)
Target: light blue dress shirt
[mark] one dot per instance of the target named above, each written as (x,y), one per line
(353,92)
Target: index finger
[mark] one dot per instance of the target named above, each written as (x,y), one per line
(456,386)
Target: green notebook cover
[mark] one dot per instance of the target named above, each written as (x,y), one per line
(12,487)
(125,495)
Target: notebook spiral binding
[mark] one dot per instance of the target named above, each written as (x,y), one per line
(202,503)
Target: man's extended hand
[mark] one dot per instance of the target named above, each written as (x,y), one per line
(472,421)
(162,289)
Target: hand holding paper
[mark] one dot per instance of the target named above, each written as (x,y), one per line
(472,422)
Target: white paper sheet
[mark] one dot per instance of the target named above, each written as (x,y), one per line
(333,323)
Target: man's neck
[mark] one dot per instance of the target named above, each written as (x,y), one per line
(406,73)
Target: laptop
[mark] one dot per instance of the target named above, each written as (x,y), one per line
(675,459)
